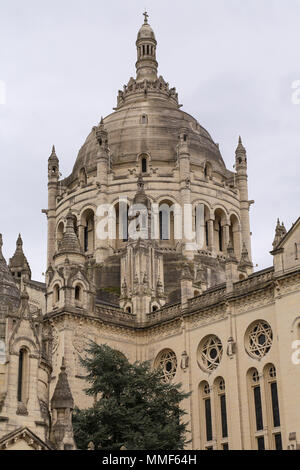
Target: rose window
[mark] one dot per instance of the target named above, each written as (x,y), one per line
(260,339)
(210,352)
(167,362)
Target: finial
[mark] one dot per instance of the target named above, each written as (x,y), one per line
(146,17)
(53,152)
(19,241)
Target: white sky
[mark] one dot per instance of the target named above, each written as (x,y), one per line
(233,63)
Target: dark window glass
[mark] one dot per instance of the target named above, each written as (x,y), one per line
(225,446)
(275,404)
(86,239)
(258,409)
(278,442)
(223,415)
(220,237)
(208,420)
(261,443)
(20,376)
(206,233)
(144,165)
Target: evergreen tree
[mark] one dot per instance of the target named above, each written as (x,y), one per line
(134,407)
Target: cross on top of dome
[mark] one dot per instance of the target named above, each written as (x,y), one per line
(146,17)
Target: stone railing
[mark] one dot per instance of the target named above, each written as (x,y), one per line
(115,314)
(210,297)
(164,313)
(254,282)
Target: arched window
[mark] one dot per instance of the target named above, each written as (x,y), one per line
(272,407)
(144,165)
(207,170)
(201,226)
(219,230)
(206,422)
(56,292)
(60,233)
(166,221)
(23,373)
(221,414)
(144,119)
(256,410)
(78,293)
(234,235)
(121,214)
(88,224)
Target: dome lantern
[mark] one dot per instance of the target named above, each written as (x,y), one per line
(146,65)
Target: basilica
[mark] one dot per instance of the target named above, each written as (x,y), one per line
(149,252)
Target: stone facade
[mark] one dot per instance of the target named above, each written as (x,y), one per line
(192,306)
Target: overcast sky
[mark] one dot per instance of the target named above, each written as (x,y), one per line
(233,63)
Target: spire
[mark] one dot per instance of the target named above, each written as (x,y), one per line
(9,292)
(53,165)
(69,242)
(240,148)
(18,264)
(280,232)
(146,65)
(62,396)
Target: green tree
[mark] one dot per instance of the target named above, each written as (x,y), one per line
(134,407)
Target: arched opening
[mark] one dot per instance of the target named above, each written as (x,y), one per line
(59,234)
(272,406)
(206,422)
(207,170)
(78,293)
(234,235)
(201,226)
(121,214)
(23,374)
(87,238)
(221,413)
(166,221)
(56,293)
(219,232)
(144,119)
(256,409)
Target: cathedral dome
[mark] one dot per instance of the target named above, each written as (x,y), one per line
(128,137)
(148,119)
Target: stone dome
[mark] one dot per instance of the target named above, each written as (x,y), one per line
(146,32)
(148,119)
(128,137)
